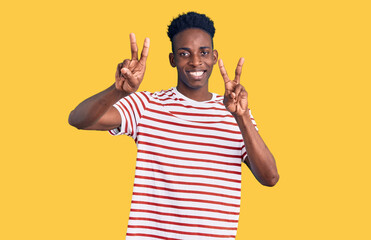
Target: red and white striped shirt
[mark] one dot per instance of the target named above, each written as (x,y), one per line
(188,171)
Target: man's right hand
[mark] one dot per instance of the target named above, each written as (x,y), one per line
(97,112)
(129,73)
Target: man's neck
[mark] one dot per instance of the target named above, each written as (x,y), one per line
(200,94)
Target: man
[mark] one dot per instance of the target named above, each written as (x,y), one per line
(190,142)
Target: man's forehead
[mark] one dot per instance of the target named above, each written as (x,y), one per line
(194,32)
(193,36)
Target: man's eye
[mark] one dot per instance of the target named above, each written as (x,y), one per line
(183,54)
(204,52)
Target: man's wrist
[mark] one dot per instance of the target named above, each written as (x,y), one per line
(118,93)
(245,114)
(243,118)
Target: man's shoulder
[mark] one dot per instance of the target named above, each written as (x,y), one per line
(156,93)
(169,94)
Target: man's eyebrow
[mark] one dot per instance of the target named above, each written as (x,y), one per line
(188,49)
(184,48)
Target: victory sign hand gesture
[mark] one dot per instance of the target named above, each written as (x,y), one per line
(235,96)
(130,72)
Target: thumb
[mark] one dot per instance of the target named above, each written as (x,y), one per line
(127,73)
(232,95)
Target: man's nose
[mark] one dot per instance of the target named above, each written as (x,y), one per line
(195,60)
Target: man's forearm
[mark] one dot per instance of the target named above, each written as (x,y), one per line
(259,159)
(92,109)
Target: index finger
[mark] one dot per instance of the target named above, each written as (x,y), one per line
(223,71)
(239,70)
(144,55)
(134,47)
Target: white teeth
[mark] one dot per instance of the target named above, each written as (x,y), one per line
(196,74)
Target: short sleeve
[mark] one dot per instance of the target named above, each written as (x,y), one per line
(131,109)
(244,152)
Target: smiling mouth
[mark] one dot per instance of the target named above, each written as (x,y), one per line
(196,74)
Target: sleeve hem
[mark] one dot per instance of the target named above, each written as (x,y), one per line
(119,130)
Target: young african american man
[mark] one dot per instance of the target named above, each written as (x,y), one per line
(191,142)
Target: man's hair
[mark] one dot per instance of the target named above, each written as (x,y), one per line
(190,20)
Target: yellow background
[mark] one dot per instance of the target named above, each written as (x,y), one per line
(307,72)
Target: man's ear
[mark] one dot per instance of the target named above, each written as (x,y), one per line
(171,59)
(215,56)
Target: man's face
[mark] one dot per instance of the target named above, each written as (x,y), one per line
(193,57)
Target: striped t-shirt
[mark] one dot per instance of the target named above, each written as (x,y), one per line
(188,170)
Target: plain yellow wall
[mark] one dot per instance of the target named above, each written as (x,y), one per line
(307,72)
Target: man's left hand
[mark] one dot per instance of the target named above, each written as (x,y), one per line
(235,96)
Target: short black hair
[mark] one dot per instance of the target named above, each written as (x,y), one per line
(190,20)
